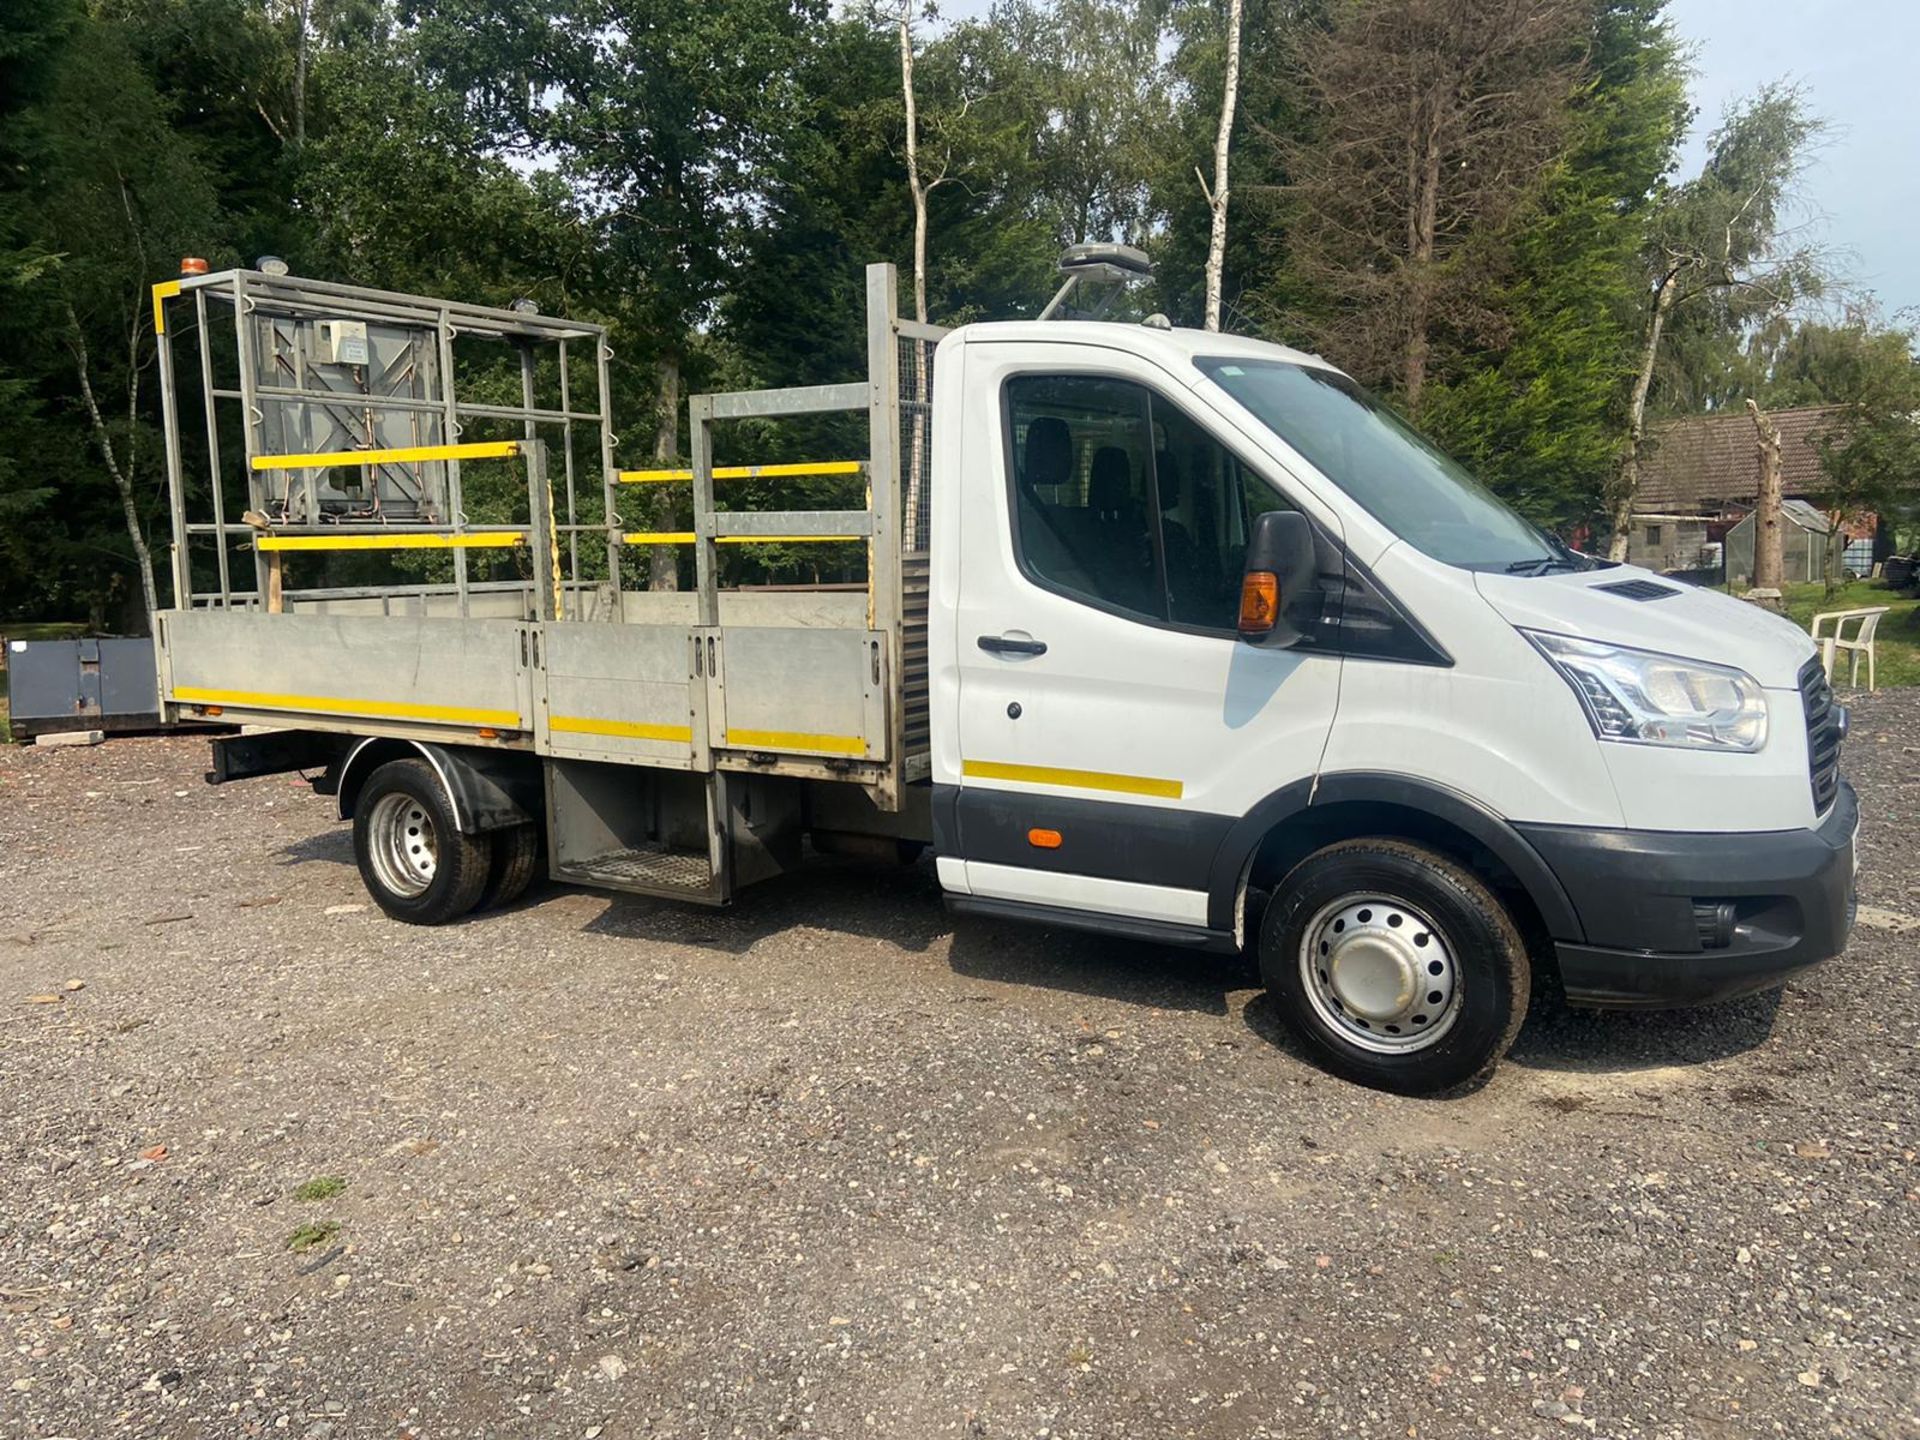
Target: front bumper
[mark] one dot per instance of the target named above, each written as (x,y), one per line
(1688,918)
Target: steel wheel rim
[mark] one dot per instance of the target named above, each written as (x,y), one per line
(402,844)
(1380,974)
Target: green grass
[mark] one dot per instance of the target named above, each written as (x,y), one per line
(321,1187)
(41,629)
(1897,643)
(313,1233)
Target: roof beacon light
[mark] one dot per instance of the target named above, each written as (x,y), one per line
(524,306)
(270,265)
(193,265)
(1098,264)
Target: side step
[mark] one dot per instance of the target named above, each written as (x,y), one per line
(669,833)
(648,870)
(638,829)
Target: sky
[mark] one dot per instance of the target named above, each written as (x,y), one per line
(1859,63)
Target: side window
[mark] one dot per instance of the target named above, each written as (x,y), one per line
(1082,452)
(1208,501)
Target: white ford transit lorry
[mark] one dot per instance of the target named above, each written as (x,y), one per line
(1166,634)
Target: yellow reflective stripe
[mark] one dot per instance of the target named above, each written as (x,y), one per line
(745,472)
(687,537)
(389,542)
(623,729)
(1074,779)
(336,705)
(795,740)
(479,450)
(165,290)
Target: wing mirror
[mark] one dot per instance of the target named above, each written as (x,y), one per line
(1279,593)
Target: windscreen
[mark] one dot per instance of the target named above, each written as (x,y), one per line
(1421,495)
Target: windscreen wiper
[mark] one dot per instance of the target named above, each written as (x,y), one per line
(1540,565)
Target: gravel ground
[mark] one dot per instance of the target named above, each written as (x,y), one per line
(830,1163)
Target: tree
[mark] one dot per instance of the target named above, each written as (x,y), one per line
(115,196)
(918,186)
(1267,115)
(1721,244)
(661,116)
(1870,453)
(467,223)
(1433,123)
(33,35)
(1538,416)
(1216,193)
(832,198)
(1074,109)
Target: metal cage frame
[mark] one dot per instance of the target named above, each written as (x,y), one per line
(251,294)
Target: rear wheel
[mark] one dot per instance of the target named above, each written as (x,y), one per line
(516,860)
(1396,967)
(415,861)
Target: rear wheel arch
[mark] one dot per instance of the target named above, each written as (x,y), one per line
(487,789)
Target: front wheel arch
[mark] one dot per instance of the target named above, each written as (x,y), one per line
(1285,828)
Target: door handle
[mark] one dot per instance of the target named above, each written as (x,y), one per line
(1010,645)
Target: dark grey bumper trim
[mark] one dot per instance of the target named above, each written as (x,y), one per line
(1635,891)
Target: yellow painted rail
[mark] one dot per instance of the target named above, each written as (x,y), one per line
(162,292)
(479,540)
(687,537)
(346,705)
(620,729)
(795,740)
(745,472)
(398,455)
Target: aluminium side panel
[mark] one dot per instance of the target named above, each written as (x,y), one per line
(802,692)
(621,693)
(366,673)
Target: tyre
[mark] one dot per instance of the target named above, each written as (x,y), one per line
(415,862)
(516,860)
(1395,966)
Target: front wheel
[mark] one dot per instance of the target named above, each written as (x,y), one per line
(416,863)
(1395,966)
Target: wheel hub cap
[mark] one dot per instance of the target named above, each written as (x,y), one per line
(404,846)
(1380,974)
(1372,976)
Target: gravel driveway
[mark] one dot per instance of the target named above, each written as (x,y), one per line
(832,1163)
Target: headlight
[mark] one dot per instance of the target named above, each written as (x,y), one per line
(1647,698)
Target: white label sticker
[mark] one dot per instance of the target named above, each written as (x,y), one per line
(19,646)
(1231,370)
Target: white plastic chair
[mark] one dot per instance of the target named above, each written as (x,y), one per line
(1865,621)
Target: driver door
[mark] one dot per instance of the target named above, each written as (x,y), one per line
(1112,727)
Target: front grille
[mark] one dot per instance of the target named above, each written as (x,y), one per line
(1823,734)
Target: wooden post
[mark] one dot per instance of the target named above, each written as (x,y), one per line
(261,526)
(1767,566)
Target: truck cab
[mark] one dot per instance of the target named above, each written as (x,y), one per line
(1453,740)
(1160,633)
